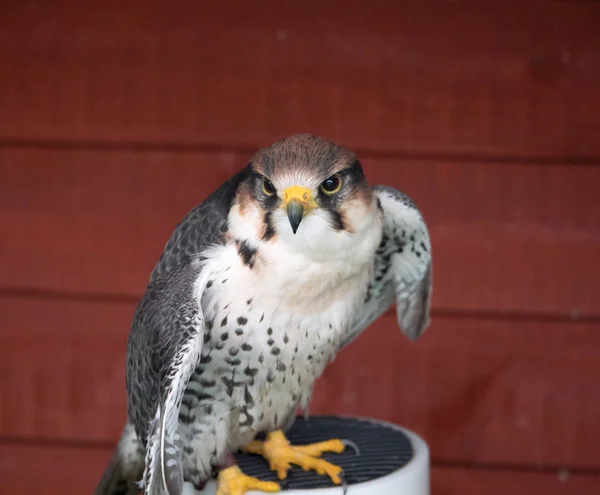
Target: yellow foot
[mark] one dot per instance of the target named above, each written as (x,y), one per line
(280,454)
(232,481)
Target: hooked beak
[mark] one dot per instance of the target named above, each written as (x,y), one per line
(297,201)
(295,212)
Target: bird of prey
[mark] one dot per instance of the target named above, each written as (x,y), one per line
(256,290)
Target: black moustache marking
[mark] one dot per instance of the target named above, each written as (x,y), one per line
(337,220)
(247,253)
(269,229)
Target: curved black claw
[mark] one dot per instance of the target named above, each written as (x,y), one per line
(344,482)
(350,443)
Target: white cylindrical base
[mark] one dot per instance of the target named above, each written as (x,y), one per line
(410,479)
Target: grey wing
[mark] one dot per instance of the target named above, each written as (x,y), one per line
(164,349)
(403,267)
(167,334)
(204,225)
(166,337)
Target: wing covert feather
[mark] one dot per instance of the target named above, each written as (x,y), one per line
(403,267)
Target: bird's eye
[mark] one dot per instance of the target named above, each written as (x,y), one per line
(332,185)
(268,187)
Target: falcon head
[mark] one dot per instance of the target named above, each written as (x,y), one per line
(309,193)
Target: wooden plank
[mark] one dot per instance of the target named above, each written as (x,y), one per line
(478,390)
(63,376)
(457,481)
(24,467)
(411,77)
(506,238)
(48,469)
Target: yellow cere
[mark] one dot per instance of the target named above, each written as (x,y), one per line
(301,194)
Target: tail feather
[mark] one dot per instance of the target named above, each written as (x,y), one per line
(125,468)
(114,481)
(164,466)
(172,468)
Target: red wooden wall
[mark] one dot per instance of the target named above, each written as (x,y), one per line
(116,118)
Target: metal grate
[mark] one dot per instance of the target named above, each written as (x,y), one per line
(382,450)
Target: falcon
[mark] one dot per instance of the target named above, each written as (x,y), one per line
(256,290)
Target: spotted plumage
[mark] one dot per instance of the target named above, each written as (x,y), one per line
(255,292)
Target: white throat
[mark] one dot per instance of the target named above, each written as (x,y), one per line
(313,269)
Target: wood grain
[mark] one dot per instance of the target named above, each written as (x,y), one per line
(457,481)
(26,468)
(63,368)
(432,77)
(519,238)
(479,390)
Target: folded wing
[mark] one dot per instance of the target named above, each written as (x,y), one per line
(403,268)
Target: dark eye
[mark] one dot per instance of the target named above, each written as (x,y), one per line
(332,185)
(268,187)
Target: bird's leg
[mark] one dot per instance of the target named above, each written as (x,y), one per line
(232,481)
(276,449)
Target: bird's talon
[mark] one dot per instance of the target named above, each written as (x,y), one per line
(280,454)
(344,482)
(232,481)
(281,471)
(352,445)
